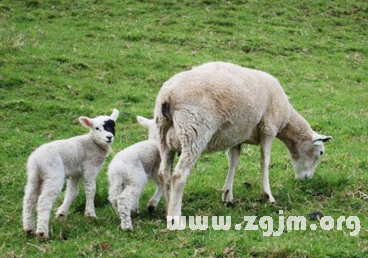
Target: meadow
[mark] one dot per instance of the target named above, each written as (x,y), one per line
(63,59)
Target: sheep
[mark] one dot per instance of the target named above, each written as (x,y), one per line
(77,158)
(129,172)
(219,106)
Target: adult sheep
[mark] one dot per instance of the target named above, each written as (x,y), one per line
(220,106)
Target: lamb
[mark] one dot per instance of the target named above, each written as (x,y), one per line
(77,158)
(129,172)
(219,106)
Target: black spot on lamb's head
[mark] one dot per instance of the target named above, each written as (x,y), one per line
(102,128)
(109,126)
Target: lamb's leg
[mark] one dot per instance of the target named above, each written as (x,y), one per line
(233,155)
(153,202)
(90,189)
(50,189)
(114,203)
(126,201)
(115,189)
(70,195)
(167,159)
(32,191)
(135,208)
(266,142)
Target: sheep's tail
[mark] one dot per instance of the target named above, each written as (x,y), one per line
(115,183)
(163,117)
(34,180)
(31,194)
(165,110)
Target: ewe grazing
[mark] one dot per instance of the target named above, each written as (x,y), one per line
(219,106)
(76,158)
(129,172)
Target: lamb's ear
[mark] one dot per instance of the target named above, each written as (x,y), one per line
(86,122)
(115,114)
(144,121)
(319,139)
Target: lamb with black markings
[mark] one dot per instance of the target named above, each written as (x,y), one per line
(78,158)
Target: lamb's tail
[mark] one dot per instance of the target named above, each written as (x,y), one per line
(115,183)
(31,194)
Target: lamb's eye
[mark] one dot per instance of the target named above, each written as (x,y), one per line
(321,153)
(97,128)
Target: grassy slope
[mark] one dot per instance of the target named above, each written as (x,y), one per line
(62,60)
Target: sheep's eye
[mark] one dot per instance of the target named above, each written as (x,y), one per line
(97,128)
(321,153)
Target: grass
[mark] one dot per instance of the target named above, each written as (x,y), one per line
(63,59)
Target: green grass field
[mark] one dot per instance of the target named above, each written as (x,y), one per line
(63,59)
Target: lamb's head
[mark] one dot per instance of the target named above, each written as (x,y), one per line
(102,128)
(306,153)
(150,125)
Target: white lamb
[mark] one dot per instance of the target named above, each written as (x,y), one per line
(129,172)
(76,158)
(219,106)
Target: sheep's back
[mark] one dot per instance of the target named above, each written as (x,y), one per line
(142,155)
(232,99)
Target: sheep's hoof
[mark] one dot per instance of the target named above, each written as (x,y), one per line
(265,197)
(29,232)
(134,213)
(227,197)
(229,204)
(60,216)
(151,209)
(126,228)
(91,217)
(42,236)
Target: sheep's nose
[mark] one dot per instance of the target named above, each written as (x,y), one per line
(109,137)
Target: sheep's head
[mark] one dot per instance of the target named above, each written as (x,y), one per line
(150,125)
(102,128)
(306,153)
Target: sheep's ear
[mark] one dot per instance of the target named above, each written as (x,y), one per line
(115,114)
(144,121)
(86,122)
(319,139)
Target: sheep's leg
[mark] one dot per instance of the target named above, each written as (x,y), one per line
(114,203)
(90,189)
(193,143)
(32,192)
(126,201)
(167,159)
(70,195)
(179,178)
(153,202)
(50,189)
(233,155)
(266,142)
(115,189)
(135,208)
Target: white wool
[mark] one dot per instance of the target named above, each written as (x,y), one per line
(129,172)
(220,106)
(76,158)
